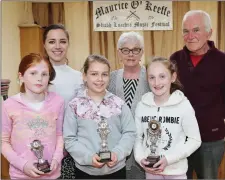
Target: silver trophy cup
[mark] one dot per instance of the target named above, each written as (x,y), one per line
(103,131)
(153,140)
(37,148)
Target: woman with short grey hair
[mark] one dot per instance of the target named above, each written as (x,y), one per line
(130,83)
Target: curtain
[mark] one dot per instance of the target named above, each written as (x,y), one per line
(104,43)
(164,43)
(156,42)
(48,13)
(85,41)
(221,25)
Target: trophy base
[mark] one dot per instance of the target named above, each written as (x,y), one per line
(105,156)
(152,160)
(44,167)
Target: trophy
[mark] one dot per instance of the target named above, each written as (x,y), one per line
(153,136)
(103,131)
(37,148)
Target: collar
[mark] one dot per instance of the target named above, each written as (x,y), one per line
(210,43)
(83,94)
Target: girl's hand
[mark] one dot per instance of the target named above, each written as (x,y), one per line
(114,160)
(30,170)
(54,165)
(160,165)
(95,161)
(144,163)
(157,168)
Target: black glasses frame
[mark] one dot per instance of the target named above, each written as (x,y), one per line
(131,50)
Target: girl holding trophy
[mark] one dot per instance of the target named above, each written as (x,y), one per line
(99,130)
(32,121)
(167,129)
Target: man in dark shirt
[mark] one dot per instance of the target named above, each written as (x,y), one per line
(201,69)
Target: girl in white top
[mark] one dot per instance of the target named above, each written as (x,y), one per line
(56,43)
(167,108)
(67,80)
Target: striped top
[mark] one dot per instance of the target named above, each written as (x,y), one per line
(116,87)
(129,88)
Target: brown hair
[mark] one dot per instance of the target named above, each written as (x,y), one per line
(55,27)
(31,60)
(171,66)
(94,58)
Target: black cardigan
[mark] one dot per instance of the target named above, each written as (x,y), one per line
(204,86)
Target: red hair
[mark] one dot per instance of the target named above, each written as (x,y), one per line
(31,60)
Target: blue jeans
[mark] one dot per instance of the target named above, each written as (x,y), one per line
(206,160)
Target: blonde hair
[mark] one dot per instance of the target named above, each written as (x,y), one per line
(94,58)
(171,66)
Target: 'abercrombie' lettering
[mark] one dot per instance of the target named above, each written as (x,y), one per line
(161,119)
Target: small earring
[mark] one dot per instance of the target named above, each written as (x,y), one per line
(18,81)
(85,83)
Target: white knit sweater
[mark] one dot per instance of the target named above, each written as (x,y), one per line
(67,80)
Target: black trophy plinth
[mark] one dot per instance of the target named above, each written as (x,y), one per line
(44,167)
(152,160)
(38,148)
(105,156)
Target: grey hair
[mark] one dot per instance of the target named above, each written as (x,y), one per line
(130,37)
(205,16)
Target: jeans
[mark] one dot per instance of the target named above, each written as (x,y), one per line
(206,160)
(133,170)
(120,174)
(135,173)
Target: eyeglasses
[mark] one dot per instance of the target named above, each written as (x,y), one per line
(126,51)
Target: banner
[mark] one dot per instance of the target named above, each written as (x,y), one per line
(132,15)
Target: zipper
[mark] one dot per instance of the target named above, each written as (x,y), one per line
(158,109)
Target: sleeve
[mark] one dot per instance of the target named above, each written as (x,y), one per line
(58,155)
(223,88)
(7,149)
(223,93)
(191,130)
(126,143)
(138,148)
(173,57)
(79,151)
(112,83)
